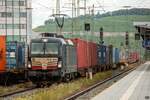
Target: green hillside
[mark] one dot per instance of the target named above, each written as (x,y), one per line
(110,24)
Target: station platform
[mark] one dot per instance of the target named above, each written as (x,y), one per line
(134,86)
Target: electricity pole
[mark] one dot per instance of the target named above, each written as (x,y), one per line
(57,13)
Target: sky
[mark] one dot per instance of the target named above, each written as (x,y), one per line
(43,9)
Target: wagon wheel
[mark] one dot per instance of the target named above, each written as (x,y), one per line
(67,77)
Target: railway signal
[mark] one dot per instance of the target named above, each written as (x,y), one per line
(127,39)
(137,36)
(101,35)
(87,26)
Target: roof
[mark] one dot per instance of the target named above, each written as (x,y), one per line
(54,39)
(50,39)
(142,24)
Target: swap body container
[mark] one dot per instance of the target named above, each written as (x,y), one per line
(86,53)
(15,55)
(94,54)
(114,60)
(81,53)
(2,53)
(101,53)
(21,55)
(109,55)
(117,58)
(69,58)
(11,55)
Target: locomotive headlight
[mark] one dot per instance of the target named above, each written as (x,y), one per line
(44,40)
(29,65)
(59,64)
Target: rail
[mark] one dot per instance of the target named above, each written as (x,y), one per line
(74,96)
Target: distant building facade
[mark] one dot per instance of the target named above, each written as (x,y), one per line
(15,19)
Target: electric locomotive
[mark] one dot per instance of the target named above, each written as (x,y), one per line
(51,57)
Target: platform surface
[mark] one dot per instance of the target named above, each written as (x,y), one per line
(134,86)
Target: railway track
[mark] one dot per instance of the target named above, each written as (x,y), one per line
(27,91)
(85,91)
(30,90)
(16,93)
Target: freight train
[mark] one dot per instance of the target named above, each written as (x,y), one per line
(66,58)
(49,57)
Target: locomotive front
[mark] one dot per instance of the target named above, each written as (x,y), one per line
(44,56)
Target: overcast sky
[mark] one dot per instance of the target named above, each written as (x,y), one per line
(42,9)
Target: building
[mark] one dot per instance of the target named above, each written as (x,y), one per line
(15,19)
(143,30)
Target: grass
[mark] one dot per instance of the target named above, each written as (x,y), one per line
(110,24)
(4,90)
(58,92)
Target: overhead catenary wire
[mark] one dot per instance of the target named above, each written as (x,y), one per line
(101,6)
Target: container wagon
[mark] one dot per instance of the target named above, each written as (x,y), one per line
(86,56)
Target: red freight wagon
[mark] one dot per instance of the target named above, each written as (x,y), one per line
(94,54)
(81,49)
(2,53)
(86,53)
(89,55)
(137,56)
(133,57)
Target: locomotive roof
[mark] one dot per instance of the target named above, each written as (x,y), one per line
(51,39)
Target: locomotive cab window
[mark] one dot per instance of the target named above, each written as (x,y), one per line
(37,48)
(44,48)
(51,48)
